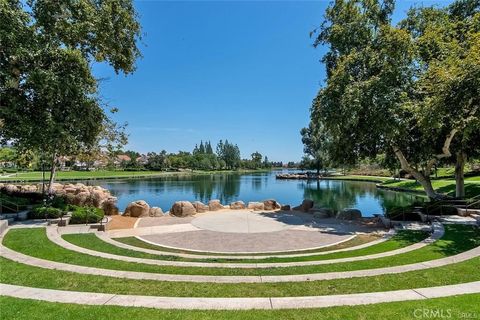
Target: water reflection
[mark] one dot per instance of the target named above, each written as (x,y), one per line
(163,192)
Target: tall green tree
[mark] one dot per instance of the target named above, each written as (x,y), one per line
(49,97)
(256,160)
(379,97)
(447,47)
(229,153)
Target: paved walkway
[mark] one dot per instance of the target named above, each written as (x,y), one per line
(55,237)
(89,298)
(244,221)
(47,264)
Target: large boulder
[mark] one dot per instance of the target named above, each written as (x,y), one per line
(77,194)
(200,207)
(214,205)
(256,206)
(137,209)
(155,212)
(82,198)
(271,205)
(349,214)
(306,205)
(237,205)
(285,207)
(183,209)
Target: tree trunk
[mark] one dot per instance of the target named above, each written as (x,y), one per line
(459,175)
(52,174)
(423,179)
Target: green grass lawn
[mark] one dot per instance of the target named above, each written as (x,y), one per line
(106,174)
(402,239)
(70,175)
(25,275)
(34,242)
(446,186)
(456,306)
(360,178)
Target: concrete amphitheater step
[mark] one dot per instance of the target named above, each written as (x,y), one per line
(230,241)
(261,255)
(47,264)
(55,237)
(89,298)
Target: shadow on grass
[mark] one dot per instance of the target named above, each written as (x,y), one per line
(457,239)
(409,237)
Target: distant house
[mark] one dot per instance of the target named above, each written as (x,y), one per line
(64,163)
(121,159)
(142,160)
(7,164)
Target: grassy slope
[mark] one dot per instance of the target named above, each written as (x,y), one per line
(34,242)
(402,239)
(446,186)
(20,274)
(13,308)
(360,178)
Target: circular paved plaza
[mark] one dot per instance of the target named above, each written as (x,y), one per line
(245,231)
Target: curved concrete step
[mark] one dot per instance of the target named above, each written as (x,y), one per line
(56,238)
(107,239)
(47,264)
(89,298)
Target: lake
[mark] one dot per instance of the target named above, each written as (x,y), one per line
(164,191)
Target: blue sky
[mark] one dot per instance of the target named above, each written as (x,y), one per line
(242,71)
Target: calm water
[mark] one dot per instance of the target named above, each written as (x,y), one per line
(163,192)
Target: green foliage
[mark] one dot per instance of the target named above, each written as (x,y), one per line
(42,212)
(229,153)
(50,100)
(85,214)
(410,92)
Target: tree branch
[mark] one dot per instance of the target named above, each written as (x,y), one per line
(403,161)
(445,152)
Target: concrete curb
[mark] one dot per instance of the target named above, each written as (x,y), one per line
(88,298)
(56,238)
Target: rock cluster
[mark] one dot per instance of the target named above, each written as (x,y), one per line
(214,205)
(349,214)
(76,194)
(200,207)
(237,205)
(183,209)
(322,213)
(137,209)
(257,206)
(306,205)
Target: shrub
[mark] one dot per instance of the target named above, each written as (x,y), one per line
(40,212)
(85,214)
(59,202)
